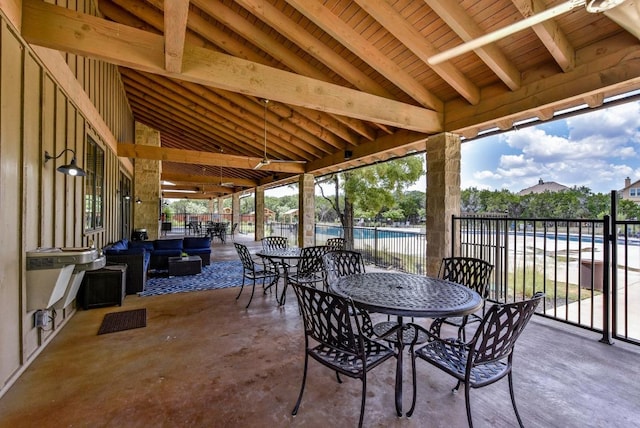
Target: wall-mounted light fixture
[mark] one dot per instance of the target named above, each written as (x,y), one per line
(348,154)
(138,201)
(71,169)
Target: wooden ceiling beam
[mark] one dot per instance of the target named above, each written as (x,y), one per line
(233,46)
(175,28)
(393,22)
(549,33)
(269,14)
(204,179)
(455,17)
(138,151)
(281,142)
(612,70)
(352,40)
(81,34)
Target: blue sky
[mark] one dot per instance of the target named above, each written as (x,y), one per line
(598,150)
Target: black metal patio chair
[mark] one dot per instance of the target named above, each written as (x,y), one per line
(336,243)
(486,358)
(470,272)
(254,270)
(274,242)
(310,270)
(334,337)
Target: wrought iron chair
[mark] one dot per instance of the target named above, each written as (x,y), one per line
(334,337)
(310,269)
(274,242)
(254,270)
(470,272)
(485,359)
(336,243)
(341,263)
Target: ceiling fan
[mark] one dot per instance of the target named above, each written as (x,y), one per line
(225,183)
(265,160)
(592,6)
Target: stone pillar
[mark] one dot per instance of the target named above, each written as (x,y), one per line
(220,207)
(235,209)
(306,210)
(146,185)
(443,196)
(259,211)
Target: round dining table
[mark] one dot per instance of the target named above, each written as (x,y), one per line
(285,258)
(406,295)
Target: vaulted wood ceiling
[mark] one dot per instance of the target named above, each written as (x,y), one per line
(341,76)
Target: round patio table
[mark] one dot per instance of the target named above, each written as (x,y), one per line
(283,257)
(407,295)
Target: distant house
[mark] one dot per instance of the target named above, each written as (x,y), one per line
(631,191)
(542,187)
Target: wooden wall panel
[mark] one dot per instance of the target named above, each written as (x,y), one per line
(10,182)
(31,172)
(48,114)
(40,207)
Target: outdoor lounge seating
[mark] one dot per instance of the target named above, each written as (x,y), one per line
(141,256)
(334,337)
(485,359)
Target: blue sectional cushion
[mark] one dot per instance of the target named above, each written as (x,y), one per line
(197,242)
(147,245)
(120,245)
(172,252)
(196,251)
(167,244)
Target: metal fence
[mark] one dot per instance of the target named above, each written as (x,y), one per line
(393,248)
(590,276)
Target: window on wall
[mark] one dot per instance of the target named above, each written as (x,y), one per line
(632,192)
(94,186)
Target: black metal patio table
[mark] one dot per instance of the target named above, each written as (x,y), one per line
(407,295)
(282,257)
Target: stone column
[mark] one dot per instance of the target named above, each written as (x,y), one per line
(220,207)
(443,196)
(146,185)
(235,210)
(259,211)
(306,210)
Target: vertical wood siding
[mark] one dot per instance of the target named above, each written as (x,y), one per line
(40,207)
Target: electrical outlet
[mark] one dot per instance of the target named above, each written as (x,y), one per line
(41,318)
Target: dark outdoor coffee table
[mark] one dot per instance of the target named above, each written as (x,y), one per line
(179,266)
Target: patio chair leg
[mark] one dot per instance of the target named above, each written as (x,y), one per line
(467,403)
(364,399)
(338,377)
(413,375)
(253,289)
(456,388)
(304,380)
(513,400)
(241,288)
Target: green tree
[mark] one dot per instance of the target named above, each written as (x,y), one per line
(371,188)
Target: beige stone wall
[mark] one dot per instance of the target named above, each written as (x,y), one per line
(146,186)
(443,196)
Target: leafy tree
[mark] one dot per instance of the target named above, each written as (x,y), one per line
(371,188)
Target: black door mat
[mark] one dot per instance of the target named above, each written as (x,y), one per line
(125,320)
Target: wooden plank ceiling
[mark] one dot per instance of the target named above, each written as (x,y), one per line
(341,77)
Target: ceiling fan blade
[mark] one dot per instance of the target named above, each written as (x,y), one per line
(286,161)
(263,162)
(504,32)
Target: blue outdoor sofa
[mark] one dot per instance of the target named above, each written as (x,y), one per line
(141,256)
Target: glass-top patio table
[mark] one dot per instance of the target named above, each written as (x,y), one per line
(407,295)
(282,257)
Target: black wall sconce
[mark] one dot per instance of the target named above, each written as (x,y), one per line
(71,169)
(138,201)
(348,154)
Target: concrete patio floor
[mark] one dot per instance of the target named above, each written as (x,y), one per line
(203,360)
